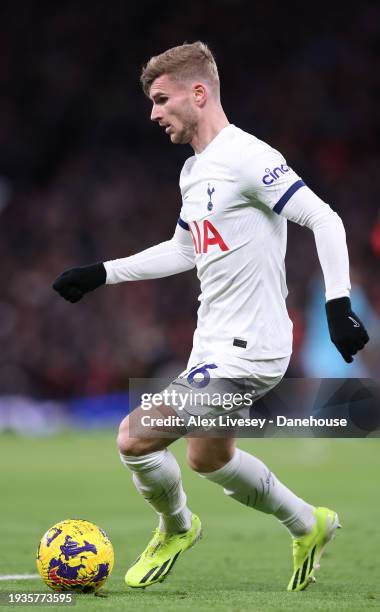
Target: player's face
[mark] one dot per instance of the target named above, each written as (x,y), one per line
(174,109)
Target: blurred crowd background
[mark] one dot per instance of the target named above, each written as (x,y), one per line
(85,176)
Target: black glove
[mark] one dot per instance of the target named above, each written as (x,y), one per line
(347,331)
(74,283)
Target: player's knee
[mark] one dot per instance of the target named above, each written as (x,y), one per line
(128,445)
(198,464)
(205,463)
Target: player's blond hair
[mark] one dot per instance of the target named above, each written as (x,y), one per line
(186,62)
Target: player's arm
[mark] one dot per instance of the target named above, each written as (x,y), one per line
(271,182)
(347,332)
(164,259)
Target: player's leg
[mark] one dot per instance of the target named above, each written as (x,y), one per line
(249,481)
(157,477)
(156,473)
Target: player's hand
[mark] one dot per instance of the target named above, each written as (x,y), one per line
(74,283)
(347,331)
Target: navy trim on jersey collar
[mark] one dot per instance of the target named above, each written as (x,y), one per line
(183,224)
(287,195)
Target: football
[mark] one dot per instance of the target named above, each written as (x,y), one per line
(75,555)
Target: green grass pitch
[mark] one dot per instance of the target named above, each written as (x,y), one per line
(243,561)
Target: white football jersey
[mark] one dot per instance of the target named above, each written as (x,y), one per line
(237,195)
(232,194)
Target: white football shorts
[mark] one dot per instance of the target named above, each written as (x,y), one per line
(215,384)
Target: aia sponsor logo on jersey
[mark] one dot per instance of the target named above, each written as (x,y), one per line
(205,234)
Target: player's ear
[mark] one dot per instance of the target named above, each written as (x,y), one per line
(200,94)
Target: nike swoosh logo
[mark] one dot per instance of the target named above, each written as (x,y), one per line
(356,324)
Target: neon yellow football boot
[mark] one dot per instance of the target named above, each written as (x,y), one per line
(308,550)
(157,560)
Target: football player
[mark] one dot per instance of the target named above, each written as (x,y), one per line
(237,195)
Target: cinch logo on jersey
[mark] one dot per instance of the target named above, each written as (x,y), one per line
(273,175)
(206,234)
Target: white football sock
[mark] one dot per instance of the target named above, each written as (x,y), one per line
(246,479)
(157,477)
